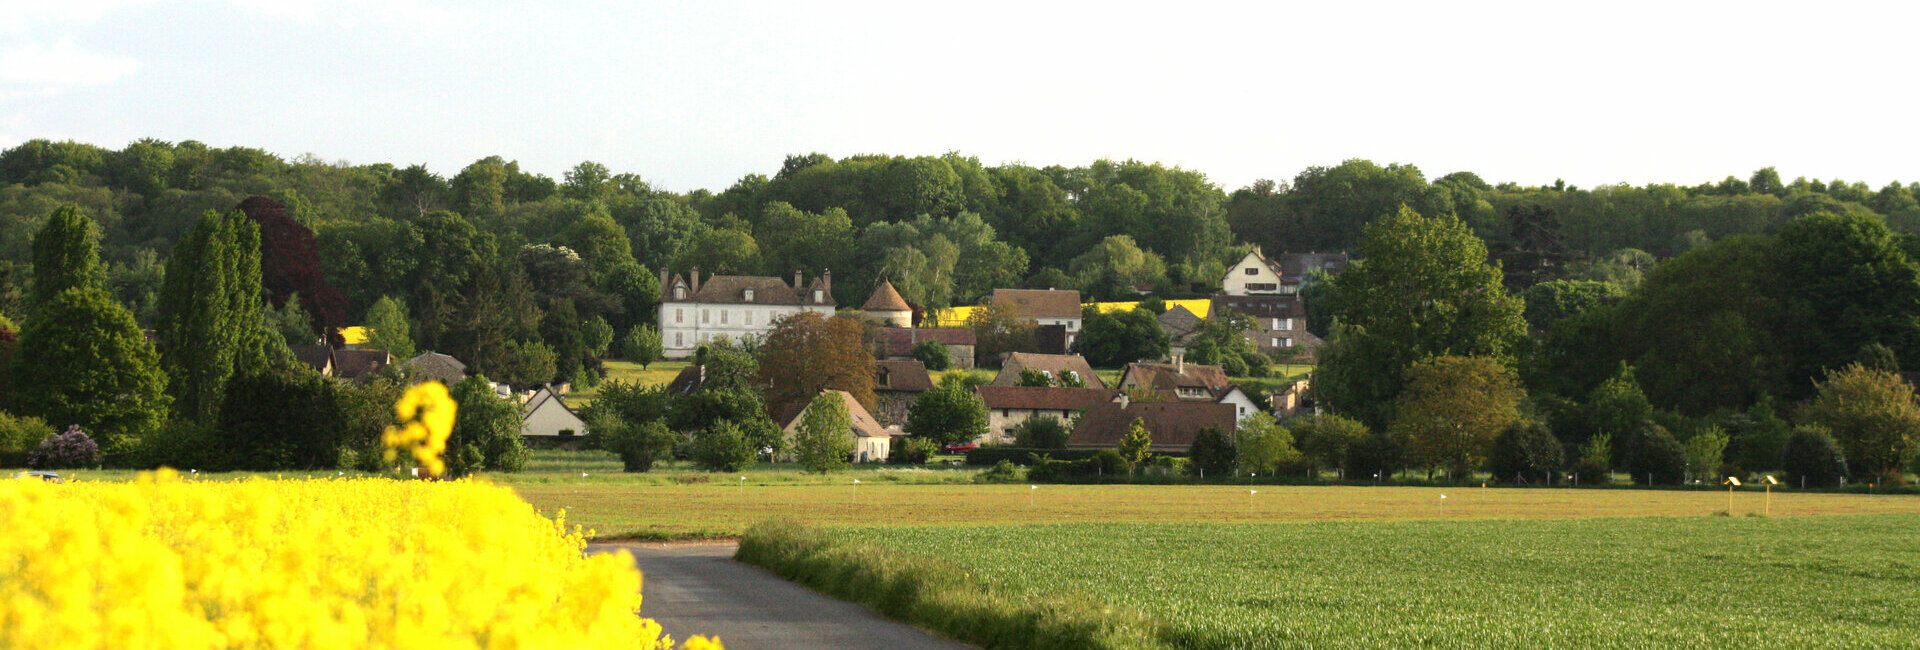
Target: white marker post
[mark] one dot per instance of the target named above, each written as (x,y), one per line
(856,492)
(1030,490)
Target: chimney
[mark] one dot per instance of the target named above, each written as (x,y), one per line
(664,289)
(827,279)
(1180,364)
(796,281)
(695,281)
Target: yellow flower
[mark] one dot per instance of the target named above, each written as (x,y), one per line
(426,414)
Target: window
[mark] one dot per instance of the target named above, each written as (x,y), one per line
(679,293)
(1276,324)
(679,339)
(678,315)
(1287,342)
(1286,323)
(749,295)
(1253,271)
(1276,341)
(819,296)
(1262,286)
(704,316)
(723,317)
(749,317)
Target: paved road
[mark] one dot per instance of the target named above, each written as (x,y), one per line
(698,589)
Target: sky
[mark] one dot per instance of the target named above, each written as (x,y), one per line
(697,94)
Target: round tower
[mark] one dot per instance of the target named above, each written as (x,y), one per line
(887,307)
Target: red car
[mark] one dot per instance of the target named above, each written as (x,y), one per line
(959,448)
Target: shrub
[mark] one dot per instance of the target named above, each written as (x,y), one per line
(1658,457)
(934,355)
(1525,452)
(1706,451)
(638,445)
(1593,467)
(19,436)
(1213,452)
(1109,462)
(1041,432)
(722,449)
(281,421)
(1812,459)
(1001,472)
(70,449)
(1265,445)
(1325,439)
(1374,455)
(913,451)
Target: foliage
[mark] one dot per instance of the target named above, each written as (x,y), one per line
(285,420)
(933,355)
(486,431)
(426,414)
(949,414)
(1326,439)
(807,353)
(1001,472)
(1525,452)
(1031,378)
(1135,443)
(1550,302)
(215,559)
(387,328)
(1873,415)
(290,265)
(210,326)
(641,345)
(64,255)
(824,439)
(1375,456)
(1113,268)
(1812,459)
(1706,452)
(1451,410)
(69,449)
(1041,432)
(912,451)
(722,448)
(525,365)
(1213,450)
(560,328)
(639,445)
(597,335)
(998,329)
(1595,466)
(1120,338)
(1654,455)
(1424,289)
(1266,446)
(19,436)
(84,361)
(1221,340)
(627,419)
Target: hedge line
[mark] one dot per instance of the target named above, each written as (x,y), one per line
(1023,456)
(938,595)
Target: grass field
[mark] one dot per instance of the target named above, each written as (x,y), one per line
(1638,582)
(658,372)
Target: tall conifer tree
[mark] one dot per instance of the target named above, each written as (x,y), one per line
(210,319)
(64,255)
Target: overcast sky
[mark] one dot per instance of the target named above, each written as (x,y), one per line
(696,94)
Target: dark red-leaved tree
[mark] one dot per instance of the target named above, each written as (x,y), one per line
(290,263)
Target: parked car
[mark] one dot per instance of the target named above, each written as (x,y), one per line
(959,448)
(50,477)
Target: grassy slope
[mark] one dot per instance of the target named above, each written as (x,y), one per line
(1642,582)
(658,372)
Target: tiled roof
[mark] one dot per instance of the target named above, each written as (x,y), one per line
(886,298)
(320,357)
(1046,399)
(540,398)
(1261,306)
(901,375)
(1040,303)
(689,379)
(354,364)
(863,423)
(433,365)
(1172,425)
(899,341)
(732,290)
(1178,322)
(1056,364)
(1169,377)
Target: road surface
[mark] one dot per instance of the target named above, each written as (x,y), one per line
(697,588)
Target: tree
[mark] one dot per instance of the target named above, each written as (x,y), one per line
(210,322)
(1617,409)
(1655,456)
(628,419)
(597,335)
(1850,286)
(1265,445)
(290,322)
(281,420)
(1422,290)
(1873,417)
(1326,439)
(807,353)
(998,329)
(1134,445)
(84,361)
(560,328)
(933,355)
(1120,338)
(722,448)
(1451,410)
(1705,452)
(642,345)
(1041,432)
(1213,451)
(387,328)
(1113,269)
(1549,302)
(1812,459)
(525,365)
(64,255)
(949,414)
(1030,378)
(486,431)
(290,264)
(1595,466)
(639,445)
(824,439)
(1527,452)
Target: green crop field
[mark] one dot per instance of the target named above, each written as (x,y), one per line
(658,372)
(1648,582)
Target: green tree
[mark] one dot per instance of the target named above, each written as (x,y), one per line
(628,420)
(933,355)
(722,449)
(280,420)
(639,445)
(1265,445)
(824,440)
(1041,432)
(597,335)
(1812,459)
(1550,301)
(949,414)
(1120,338)
(84,361)
(560,328)
(1451,410)
(210,322)
(1617,409)
(1326,439)
(1526,452)
(1705,452)
(525,365)
(290,322)
(1213,452)
(65,255)
(1423,290)
(387,328)
(1134,445)
(1873,415)
(19,435)
(1111,269)
(642,345)
(1030,378)
(1850,285)
(486,431)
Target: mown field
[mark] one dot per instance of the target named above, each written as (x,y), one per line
(1649,582)
(676,501)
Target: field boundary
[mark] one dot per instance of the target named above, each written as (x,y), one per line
(940,596)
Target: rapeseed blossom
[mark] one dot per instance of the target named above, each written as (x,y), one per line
(426,413)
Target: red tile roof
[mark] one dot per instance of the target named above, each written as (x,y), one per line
(1045,399)
(1171,425)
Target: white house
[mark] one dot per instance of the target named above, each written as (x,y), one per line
(1256,275)
(871,443)
(736,307)
(546,415)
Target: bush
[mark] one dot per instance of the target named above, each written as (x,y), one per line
(1811,458)
(913,451)
(1213,452)
(638,445)
(1525,453)
(1593,467)
(66,450)
(1001,472)
(20,436)
(722,449)
(1658,457)
(984,456)
(1374,455)
(934,355)
(282,421)
(1041,432)
(1325,439)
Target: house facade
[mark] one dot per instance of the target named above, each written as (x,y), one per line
(897,384)
(1256,274)
(547,416)
(871,442)
(1008,406)
(1045,307)
(694,311)
(1279,324)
